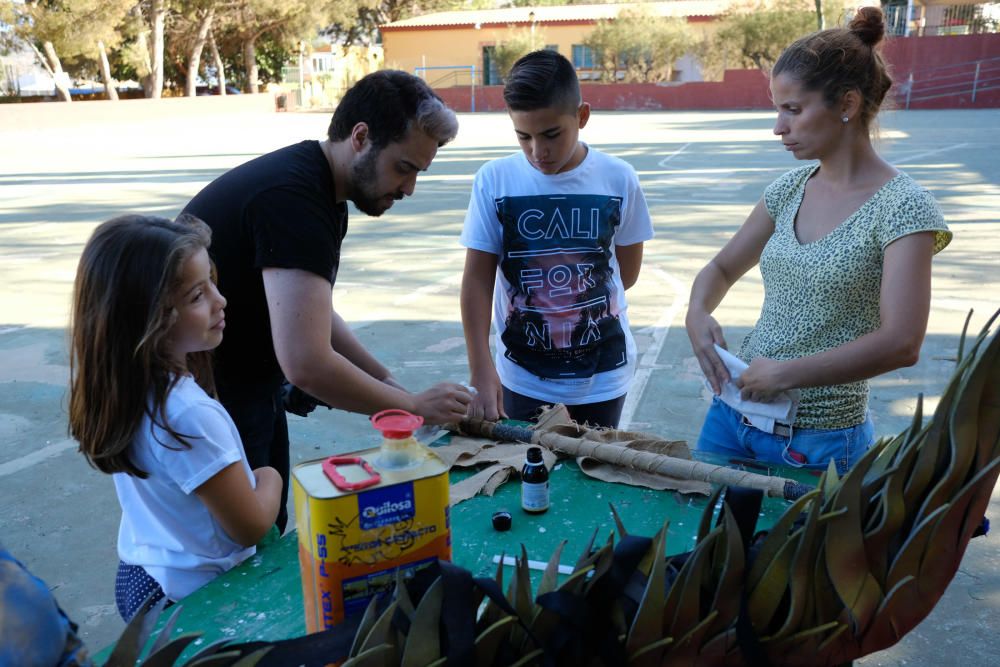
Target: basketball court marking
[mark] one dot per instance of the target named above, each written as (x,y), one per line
(647,362)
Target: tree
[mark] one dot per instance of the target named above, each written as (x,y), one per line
(754,35)
(187,37)
(641,46)
(518,43)
(76,31)
(355,22)
(281,22)
(155,12)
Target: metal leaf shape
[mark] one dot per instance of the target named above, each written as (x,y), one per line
(800,572)
(764,598)
(651,653)
(705,524)
(528,659)
(223,659)
(163,637)
(726,599)
(208,650)
(907,560)
(648,620)
(685,648)
(365,626)
(372,657)
(133,638)
(886,629)
(941,562)
(844,543)
(169,651)
(253,658)
(618,521)
(551,575)
(777,537)
(381,632)
(423,643)
(683,606)
(490,639)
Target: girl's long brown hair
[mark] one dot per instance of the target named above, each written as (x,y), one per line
(120,365)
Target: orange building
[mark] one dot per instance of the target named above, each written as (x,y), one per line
(445,47)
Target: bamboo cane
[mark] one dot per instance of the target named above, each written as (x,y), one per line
(774,487)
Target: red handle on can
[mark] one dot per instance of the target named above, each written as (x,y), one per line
(339,481)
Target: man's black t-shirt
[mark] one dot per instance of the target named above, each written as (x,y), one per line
(277,211)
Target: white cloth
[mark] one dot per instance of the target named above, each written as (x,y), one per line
(559,307)
(165,528)
(762,415)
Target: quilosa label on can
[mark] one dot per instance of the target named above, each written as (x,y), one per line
(352,543)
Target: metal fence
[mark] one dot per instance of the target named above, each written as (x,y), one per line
(968,78)
(904,18)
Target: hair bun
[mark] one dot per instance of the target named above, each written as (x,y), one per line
(869,25)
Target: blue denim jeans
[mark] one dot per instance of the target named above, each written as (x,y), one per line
(725,434)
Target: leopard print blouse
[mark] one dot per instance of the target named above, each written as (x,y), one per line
(823,294)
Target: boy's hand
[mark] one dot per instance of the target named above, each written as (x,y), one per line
(444,403)
(488,402)
(705,332)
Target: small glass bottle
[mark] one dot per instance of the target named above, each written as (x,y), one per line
(534,482)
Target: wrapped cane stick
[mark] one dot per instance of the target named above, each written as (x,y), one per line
(774,487)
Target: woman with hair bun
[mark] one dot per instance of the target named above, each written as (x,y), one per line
(844,246)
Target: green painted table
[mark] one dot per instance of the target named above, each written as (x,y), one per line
(261,599)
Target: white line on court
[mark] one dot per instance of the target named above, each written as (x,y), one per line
(647,363)
(25,462)
(919,156)
(664,161)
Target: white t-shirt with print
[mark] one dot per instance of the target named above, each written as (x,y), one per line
(559,308)
(165,527)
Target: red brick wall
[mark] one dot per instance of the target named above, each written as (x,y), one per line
(944,66)
(748,89)
(741,89)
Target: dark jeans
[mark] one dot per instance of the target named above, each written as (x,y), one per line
(524,408)
(259,415)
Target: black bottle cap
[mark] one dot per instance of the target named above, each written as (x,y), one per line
(534,455)
(502,520)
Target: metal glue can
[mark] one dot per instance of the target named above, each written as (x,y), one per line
(363,516)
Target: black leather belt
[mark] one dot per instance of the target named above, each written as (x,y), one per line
(783,430)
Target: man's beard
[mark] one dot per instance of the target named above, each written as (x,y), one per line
(363,179)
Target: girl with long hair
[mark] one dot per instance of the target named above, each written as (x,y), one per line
(146,314)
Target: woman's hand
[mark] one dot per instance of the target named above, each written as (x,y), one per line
(705,333)
(762,381)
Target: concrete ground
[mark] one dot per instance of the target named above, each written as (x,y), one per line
(62,171)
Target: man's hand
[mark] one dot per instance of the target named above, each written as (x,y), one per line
(488,401)
(444,403)
(762,380)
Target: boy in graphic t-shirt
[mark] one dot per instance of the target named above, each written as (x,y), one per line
(554,237)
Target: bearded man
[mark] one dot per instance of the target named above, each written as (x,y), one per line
(277,226)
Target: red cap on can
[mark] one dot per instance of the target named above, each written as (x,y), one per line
(396,424)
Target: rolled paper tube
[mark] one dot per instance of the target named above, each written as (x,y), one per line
(636,459)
